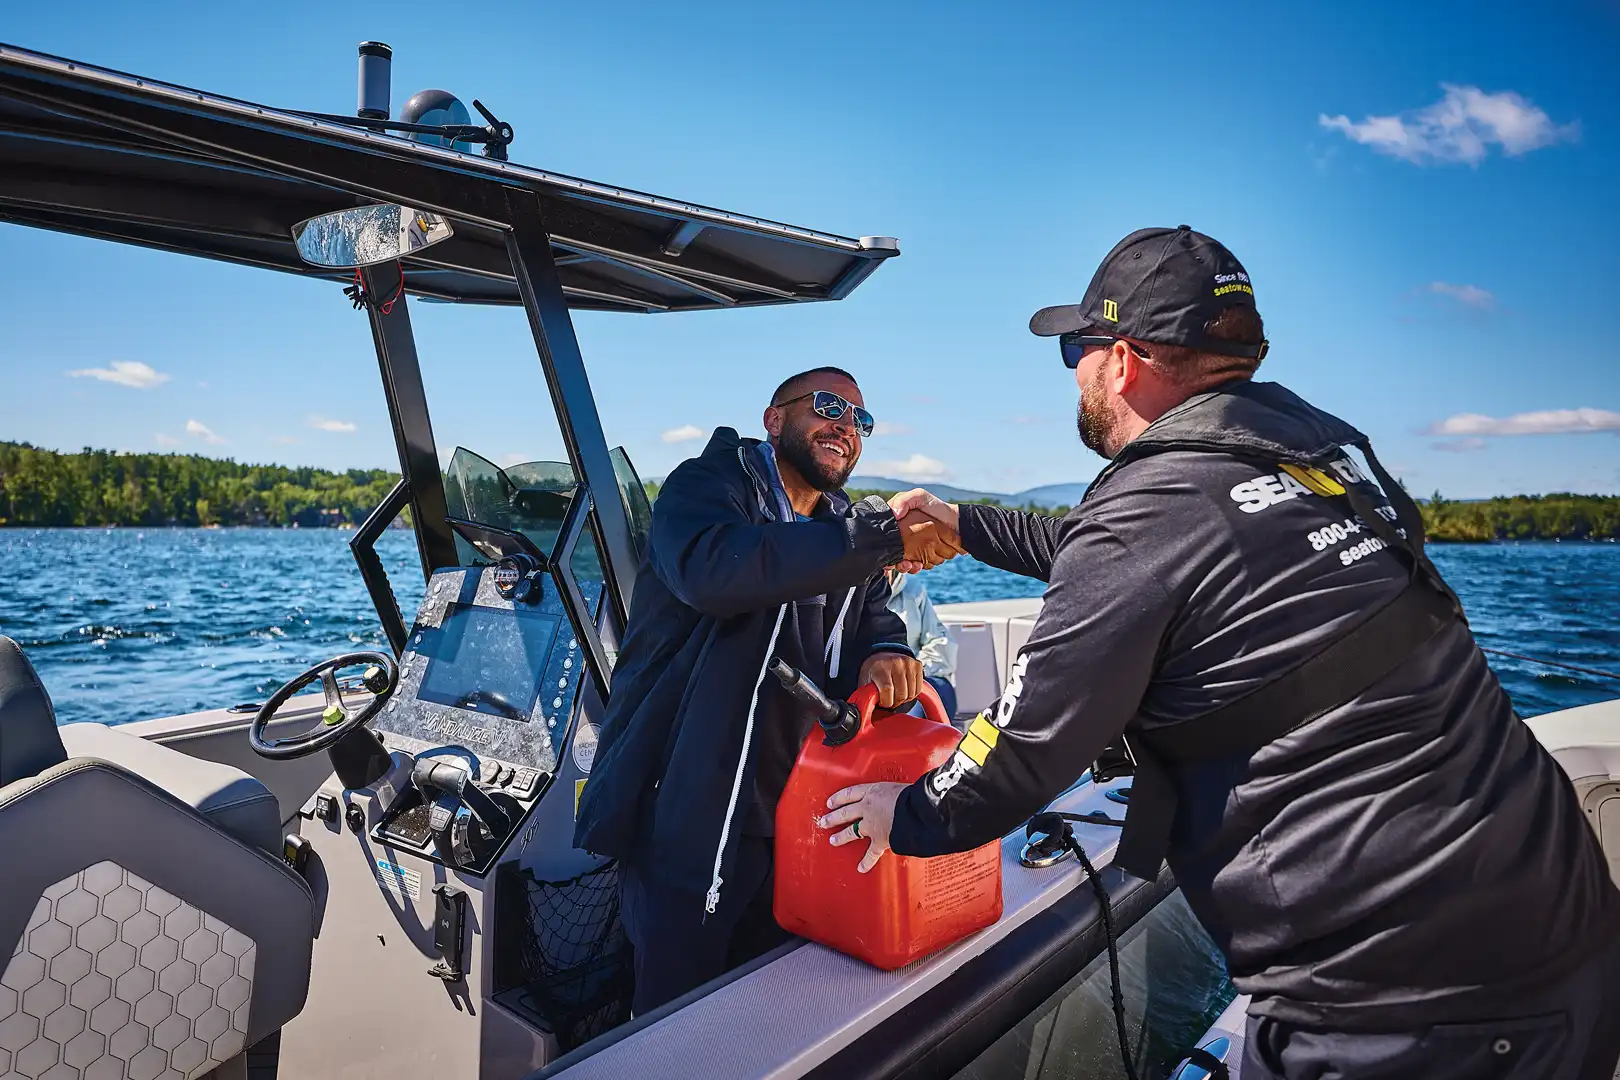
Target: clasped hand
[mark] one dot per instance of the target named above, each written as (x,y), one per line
(928,525)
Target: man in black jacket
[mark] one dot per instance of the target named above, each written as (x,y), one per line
(754,552)
(1396,870)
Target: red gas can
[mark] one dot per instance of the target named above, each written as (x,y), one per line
(904,907)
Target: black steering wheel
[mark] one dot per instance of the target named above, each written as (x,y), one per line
(338,719)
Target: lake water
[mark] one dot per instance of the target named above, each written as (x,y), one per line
(128,624)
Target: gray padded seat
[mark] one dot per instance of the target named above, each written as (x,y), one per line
(227,796)
(148,926)
(29,741)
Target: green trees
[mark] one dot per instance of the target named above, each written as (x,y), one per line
(99,487)
(1560,516)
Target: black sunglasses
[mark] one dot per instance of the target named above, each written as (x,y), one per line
(833,407)
(1074,346)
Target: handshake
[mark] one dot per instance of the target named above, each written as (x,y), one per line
(929,527)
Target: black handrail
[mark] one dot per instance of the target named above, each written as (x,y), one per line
(364,546)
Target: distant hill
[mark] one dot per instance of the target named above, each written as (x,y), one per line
(1047,495)
(1052,495)
(948,492)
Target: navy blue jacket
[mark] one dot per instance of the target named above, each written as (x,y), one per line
(671,780)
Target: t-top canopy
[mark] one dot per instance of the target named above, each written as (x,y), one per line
(99,153)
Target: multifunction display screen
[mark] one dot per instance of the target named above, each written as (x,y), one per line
(487,660)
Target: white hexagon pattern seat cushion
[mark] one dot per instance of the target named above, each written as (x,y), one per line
(116,979)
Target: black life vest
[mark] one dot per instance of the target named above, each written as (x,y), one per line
(1268,423)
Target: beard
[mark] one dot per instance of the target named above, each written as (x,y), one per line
(1094,419)
(794,444)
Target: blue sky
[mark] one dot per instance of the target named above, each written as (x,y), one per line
(1424,197)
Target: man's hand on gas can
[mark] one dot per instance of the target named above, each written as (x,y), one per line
(897,676)
(868,811)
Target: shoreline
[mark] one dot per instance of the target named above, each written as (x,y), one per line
(6,526)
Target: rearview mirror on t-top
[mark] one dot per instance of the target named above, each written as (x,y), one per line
(368,235)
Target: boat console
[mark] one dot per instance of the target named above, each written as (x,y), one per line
(487,688)
(440,848)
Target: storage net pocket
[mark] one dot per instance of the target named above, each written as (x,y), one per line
(566,959)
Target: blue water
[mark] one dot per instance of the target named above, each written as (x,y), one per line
(128,624)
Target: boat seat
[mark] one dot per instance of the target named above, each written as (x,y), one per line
(147,925)
(230,798)
(29,741)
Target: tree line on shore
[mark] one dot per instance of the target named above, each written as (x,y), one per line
(1560,516)
(100,487)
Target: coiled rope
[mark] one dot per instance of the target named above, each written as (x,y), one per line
(1054,823)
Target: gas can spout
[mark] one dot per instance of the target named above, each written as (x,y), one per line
(839,720)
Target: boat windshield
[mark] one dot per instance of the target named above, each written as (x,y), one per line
(532,498)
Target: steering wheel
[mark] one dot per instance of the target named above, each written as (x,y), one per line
(338,719)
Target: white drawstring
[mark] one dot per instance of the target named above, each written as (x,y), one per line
(712,900)
(835,640)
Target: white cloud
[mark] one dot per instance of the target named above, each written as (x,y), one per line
(508,460)
(1460,127)
(124,373)
(287,440)
(1548,422)
(888,427)
(167,440)
(917,467)
(322,423)
(1471,295)
(1460,446)
(684,433)
(200,430)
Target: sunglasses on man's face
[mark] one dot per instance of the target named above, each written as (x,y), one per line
(1074,346)
(833,407)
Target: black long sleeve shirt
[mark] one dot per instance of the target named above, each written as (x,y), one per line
(1412,857)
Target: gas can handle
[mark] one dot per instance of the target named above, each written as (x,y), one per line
(865,699)
(933,707)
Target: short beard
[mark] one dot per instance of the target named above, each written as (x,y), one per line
(794,445)
(1096,422)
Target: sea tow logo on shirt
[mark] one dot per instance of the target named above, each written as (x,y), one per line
(982,735)
(1292,481)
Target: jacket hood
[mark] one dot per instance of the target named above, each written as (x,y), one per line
(727,445)
(725,441)
(1251,419)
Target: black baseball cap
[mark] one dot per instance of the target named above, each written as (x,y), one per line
(1159,286)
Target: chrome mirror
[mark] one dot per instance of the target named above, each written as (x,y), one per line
(368,235)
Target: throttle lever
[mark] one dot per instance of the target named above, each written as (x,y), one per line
(452,777)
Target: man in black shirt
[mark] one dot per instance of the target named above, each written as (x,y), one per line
(1397,872)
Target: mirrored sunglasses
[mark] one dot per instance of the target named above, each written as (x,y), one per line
(828,404)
